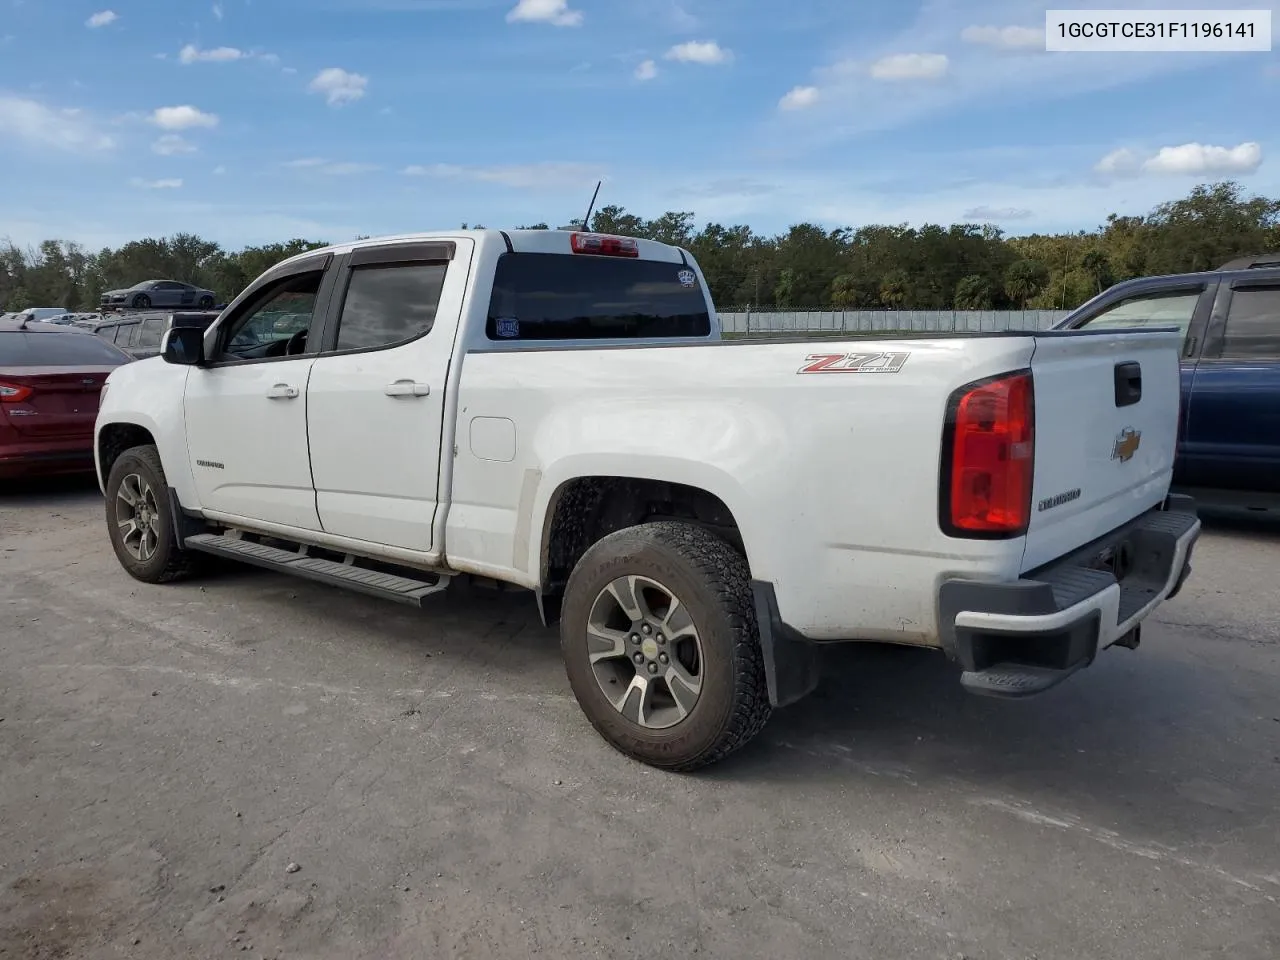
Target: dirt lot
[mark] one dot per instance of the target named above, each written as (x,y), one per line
(256,766)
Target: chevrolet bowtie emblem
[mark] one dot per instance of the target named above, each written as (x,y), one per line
(1127,443)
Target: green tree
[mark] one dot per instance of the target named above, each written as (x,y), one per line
(845,292)
(894,289)
(1097,265)
(784,290)
(1025,279)
(974,293)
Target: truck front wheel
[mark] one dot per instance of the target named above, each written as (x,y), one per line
(139,521)
(661,646)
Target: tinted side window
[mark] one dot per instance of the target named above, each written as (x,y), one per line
(152,331)
(388,304)
(548,296)
(1253,324)
(1152,310)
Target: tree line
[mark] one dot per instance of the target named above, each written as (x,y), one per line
(931,267)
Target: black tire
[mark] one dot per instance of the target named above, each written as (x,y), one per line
(206,302)
(712,581)
(168,562)
(142,301)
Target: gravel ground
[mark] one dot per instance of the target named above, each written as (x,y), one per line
(254,765)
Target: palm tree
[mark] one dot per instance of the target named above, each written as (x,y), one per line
(1024,280)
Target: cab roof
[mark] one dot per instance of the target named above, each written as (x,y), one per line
(516,241)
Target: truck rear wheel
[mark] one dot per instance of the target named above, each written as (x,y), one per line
(139,519)
(661,646)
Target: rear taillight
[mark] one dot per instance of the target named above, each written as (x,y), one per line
(988,458)
(12,393)
(602,245)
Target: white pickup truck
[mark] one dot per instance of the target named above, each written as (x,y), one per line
(558,411)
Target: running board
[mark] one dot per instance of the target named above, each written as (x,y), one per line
(387,586)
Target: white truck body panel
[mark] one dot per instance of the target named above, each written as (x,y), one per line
(832,480)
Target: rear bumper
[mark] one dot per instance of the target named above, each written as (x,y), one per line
(1015,639)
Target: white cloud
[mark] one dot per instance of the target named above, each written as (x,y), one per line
(182,118)
(329,167)
(171,144)
(699,51)
(647,70)
(1119,163)
(339,86)
(555,12)
(32,122)
(1187,160)
(101,19)
(217,11)
(993,214)
(1007,38)
(799,98)
(172,184)
(910,66)
(219,170)
(193,54)
(1203,160)
(533,176)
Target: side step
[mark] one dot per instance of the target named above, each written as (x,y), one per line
(387,586)
(1011,681)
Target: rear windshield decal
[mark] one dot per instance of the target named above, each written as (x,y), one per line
(508,327)
(687,278)
(854,362)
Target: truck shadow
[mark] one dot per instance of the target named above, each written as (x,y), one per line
(1154,740)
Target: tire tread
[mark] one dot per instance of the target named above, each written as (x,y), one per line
(181,563)
(725,574)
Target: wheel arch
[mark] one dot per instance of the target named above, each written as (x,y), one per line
(581,507)
(114,439)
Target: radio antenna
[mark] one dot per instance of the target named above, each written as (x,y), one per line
(586,221)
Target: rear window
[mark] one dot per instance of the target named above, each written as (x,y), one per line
(57,350)
(549,296)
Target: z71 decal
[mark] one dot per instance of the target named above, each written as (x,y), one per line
(854,362)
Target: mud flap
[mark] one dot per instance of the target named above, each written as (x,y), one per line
(792,667)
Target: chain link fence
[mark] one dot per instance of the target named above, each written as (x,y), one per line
(763,323)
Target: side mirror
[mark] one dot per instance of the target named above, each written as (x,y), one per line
(183,345)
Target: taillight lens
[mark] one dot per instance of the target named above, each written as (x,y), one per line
(12,393)
(989,458)
(602,245)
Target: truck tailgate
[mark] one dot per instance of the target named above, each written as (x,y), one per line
(1106,425)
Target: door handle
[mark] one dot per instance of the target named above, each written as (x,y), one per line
(407,388)
(282,391)
(1128,379)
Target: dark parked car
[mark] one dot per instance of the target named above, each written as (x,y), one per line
(139,334)
(159,293)
(51,380)
(1229,432)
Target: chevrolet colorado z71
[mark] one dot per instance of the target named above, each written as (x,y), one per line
(556,410)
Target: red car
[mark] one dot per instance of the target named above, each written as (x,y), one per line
(51,378)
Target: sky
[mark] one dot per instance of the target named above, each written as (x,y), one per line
(255,121)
